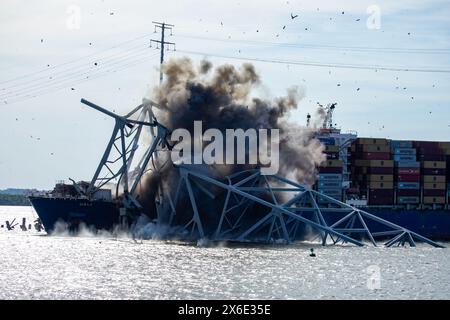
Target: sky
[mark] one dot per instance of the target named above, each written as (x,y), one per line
(355,53)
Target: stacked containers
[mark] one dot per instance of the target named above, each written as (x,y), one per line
(445,146)
(330,172)
(433,171)
(406,172)
(372,170)
(330,179)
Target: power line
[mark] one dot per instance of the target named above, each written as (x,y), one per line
(99,75)
(74,60)
(65,72)
(79,70)
(324,47)
(319,64)
(72,80)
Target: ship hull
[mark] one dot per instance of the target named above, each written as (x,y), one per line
(432,224)
(104,215)
(98,214)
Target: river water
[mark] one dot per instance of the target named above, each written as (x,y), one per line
(34,265)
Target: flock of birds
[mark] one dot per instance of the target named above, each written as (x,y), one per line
(292,17)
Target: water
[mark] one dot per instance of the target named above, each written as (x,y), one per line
(36,266)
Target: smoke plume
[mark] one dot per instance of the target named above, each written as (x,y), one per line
(223,97)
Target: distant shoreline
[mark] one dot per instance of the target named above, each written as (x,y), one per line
(14,200)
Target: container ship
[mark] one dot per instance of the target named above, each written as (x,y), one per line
(403,181)
(406,183)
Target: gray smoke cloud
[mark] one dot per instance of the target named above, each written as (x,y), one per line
(223,97)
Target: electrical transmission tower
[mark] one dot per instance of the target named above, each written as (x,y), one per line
(163,26)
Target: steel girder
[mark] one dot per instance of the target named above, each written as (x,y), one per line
(289,205)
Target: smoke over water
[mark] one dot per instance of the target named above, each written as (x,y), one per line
(223,97)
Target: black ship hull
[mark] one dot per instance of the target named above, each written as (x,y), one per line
(98,214)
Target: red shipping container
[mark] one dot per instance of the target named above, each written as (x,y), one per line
(433,193)
(433,172)
(408,192)
(408,178)
(408,171)
(373,155)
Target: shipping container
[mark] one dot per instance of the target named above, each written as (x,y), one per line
(331,193)
(379,177)
(373,155)
(330,170)
(331,163)
(371,148)
(404,157)
(401,144)
(379,170)
(408,185)
(408,164)
(434,200)
(383,201)
(440,179)
(444,145)
(372,141)
(426,144)
(407,171)
(437,172)
(404,151)
(408,178)
(329,184)
(330,176)
(374,163)
(431,157)
(433,193)
(406,200)
(433,164)
(381,185)
(434,185)
(429,150)
(408,192)
(381,192)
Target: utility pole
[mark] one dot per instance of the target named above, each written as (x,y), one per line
(163,26)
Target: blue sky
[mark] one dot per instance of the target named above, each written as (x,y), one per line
(53,136)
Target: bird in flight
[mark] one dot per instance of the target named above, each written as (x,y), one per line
(293,17)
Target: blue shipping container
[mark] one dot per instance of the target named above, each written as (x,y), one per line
(330,176)
(408,151)
(330,184)
(404,157)
(401,144)
(330,190)
(408,164)
(404,200)
(408,185)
